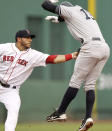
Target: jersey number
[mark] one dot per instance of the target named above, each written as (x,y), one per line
(87,14)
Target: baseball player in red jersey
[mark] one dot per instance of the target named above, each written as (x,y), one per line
(92,57)
(17,61)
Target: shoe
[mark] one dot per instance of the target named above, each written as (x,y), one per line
(55,116)
(86,124)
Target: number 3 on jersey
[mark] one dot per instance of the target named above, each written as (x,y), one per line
(87,14)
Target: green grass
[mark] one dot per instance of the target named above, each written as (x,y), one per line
(67,126)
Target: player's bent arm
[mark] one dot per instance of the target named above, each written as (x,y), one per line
(55,59)
(47,5)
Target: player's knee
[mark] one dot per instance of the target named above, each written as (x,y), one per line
(89,87)
(74,85)
(12,115)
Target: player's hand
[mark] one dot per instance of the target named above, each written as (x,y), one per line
(53,19)
(54,1)
(75,54)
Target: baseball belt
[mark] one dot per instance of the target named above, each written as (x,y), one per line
(93,39)
(96,38)
(7,85)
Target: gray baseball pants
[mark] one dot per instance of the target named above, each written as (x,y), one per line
(89,64)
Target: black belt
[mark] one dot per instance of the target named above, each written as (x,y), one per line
(6,85)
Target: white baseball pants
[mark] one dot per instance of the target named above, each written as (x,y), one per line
(89,64)
(11,99)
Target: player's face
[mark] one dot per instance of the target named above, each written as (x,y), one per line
(26,42)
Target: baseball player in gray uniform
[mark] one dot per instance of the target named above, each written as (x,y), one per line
(93,55)
(17,61)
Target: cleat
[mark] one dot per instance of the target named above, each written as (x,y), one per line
(57,117)
(86,124)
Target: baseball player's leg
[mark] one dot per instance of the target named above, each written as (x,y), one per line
(82,67)
(12,117)
(11,100)
(90,93)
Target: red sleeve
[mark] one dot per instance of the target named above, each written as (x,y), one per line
(50,59)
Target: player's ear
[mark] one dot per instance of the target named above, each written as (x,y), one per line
(18,39)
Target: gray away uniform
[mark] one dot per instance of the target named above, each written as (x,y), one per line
(92,57)
(94,51)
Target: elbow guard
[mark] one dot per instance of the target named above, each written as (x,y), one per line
(47,5)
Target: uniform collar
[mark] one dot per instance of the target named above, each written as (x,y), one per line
(17,50)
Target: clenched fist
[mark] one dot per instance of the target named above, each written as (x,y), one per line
(74,55)
(54,1)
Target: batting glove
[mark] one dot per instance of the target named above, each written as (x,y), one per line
(54,1)
(53,19)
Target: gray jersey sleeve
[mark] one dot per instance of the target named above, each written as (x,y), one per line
(65,11)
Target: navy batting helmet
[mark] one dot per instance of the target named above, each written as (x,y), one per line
(66,3)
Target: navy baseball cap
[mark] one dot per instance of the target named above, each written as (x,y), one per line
(24,34)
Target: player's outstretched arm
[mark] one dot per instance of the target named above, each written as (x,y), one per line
(55,59)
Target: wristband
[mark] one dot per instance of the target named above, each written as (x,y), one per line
(68,57)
